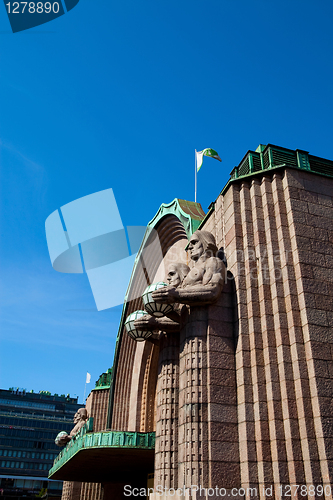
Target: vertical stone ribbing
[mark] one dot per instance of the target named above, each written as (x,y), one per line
(301,375)
(291,470)
(97,407)
(143,396)
(248,377)
(310,222)
(223,447)
(123,384)
(251,446)
(148,396)
(269,389)
(166,455)
(291,350)
(193,426)
(284,354)
(91,491)
(233,245)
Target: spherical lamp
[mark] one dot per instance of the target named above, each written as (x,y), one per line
(155,309)
(138,335)
(60,439)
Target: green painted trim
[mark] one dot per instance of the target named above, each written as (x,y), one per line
(254,174)
(271,159)
(251,163)
(303,159)
(105,439)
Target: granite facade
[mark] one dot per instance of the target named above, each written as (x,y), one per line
(278,242)
(242,397)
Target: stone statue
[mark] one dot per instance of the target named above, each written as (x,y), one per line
(185,359)
(203,284)
(80,418)
(175,276)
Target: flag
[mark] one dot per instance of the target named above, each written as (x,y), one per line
(206,152)
(88,378)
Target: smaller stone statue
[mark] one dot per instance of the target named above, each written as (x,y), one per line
(170,323)
(204,282)
(176,274)
(200,286)
(80,418)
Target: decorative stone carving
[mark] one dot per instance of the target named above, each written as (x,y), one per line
(176,274)
(170,323)
(183,368)
(204,283)
(80,418)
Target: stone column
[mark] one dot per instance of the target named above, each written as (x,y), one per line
(208,427)
(166,456)
(193,426)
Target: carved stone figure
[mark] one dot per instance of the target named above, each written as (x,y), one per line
(80,418)
(175,276)
(183,354)
(203,284)
(200,294)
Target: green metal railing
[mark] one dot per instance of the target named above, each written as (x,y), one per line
(271,157)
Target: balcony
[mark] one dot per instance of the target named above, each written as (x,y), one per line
(95,456)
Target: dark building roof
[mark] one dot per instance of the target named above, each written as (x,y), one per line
(29,423)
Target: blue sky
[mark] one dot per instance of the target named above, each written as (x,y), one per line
(118,95)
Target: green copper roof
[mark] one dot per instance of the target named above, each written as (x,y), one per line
(267,158)
(104,380)
(189,213)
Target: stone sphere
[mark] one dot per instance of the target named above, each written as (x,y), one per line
(138,335)
(155,309)
(58,438)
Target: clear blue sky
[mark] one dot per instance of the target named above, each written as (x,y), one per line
(119,94)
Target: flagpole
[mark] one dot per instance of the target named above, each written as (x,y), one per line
(84,395)
(88,378)
(195,175)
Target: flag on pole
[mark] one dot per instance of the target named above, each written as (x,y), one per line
(206,152)
(88,378)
